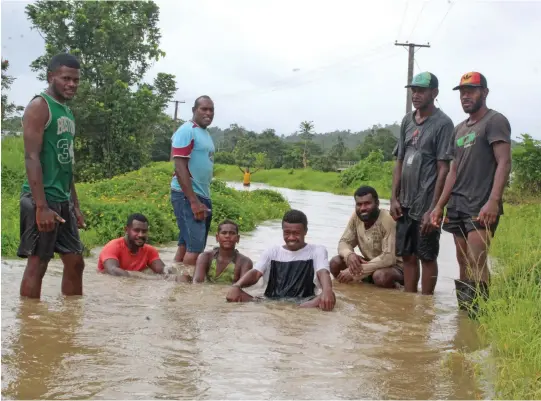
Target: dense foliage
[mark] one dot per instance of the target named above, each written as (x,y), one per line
(107,203)
(118,116)
(302,149)
(8,108)
(527,166)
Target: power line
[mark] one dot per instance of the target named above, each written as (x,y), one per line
(418,17)
(403,18)
(451,4)
(289,82)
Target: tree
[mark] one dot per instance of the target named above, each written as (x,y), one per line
(527,165)
(306,134)
(116,112)
(338,150)
(382,139)
(7,108)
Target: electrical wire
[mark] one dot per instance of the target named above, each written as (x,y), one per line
(418,17)
(293,81)
(438,27)
(403,18)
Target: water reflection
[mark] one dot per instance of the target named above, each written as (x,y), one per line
(138,339)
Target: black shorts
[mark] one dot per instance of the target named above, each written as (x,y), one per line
(460,224)
(409,240)
(64,239)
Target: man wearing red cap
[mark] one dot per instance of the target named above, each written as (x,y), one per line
(480,167)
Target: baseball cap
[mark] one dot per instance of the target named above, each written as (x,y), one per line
(424,80)
(472,79)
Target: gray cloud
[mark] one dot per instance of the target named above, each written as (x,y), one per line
(243,54)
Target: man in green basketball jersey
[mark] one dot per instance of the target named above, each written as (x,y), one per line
(49,207)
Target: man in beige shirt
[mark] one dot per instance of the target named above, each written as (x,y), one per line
(374,231)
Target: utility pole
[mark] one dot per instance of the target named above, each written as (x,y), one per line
(411,53)
(176,107)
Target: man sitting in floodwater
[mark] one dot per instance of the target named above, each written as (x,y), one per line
(291,271)
(374,231)
(224,264)
(130,255)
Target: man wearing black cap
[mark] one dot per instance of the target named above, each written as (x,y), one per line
(421,168)
(480,167)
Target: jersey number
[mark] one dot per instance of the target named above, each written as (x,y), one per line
(65,154)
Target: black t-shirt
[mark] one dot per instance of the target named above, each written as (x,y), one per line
(420,146)
(476,165)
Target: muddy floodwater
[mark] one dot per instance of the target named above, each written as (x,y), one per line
(140,339)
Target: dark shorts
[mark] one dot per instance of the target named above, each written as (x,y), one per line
(193,233)
(409,240)
(460,224)
(64,239)
(296,301)
(370,279)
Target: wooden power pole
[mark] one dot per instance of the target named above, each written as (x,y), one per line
(176,107)
(411,54)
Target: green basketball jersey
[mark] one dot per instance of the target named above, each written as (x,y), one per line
(56,155)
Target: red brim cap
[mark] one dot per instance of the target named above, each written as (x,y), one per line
(472,79)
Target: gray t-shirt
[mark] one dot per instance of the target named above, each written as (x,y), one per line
(472,151)
(420,146)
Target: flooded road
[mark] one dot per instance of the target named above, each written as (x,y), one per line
(139,339)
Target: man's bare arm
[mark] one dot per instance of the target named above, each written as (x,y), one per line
(34,120)
(201,267)
(183,175)
(397,174)
(112,267)
(448,187)
(249,279)
(245,267)
(443,172)
(157,266)
(325,280)
(502,153)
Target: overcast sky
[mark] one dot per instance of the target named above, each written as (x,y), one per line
(273,64)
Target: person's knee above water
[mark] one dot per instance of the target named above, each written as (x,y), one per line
(50,215)
(193,155)
(224,264)
(421,167)
(480,167)
(291,271)
(130,254)
(373,231)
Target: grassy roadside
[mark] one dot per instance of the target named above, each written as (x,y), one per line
(511,323)
(106,204)
(512,319)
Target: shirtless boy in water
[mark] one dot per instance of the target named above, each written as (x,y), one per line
(224,264)
(291,271)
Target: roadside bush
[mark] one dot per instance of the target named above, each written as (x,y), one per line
(527,166)
(372,169)
(224,158)
(106,204)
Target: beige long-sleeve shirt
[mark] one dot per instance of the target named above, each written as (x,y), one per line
(377,244)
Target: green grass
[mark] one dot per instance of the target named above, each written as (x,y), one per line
(310,180)
(106,204)
(511,321)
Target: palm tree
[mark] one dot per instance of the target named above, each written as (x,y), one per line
(306,133)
